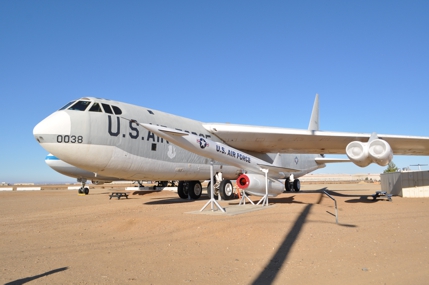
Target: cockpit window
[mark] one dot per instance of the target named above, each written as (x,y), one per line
(107,108)
(95,108)
(116,110)
(80,105)
(67,105)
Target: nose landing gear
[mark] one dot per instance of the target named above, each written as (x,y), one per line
(83,190)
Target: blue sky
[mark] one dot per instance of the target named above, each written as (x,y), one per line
(246,62)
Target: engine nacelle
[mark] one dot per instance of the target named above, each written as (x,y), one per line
(380,152)
(255,184)
(362,154)
(357,152)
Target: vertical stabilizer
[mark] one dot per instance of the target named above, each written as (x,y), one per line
(314,120)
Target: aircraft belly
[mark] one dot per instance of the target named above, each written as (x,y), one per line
(92,158)
(112,161)
(133,167)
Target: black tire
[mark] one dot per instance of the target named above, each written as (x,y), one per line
(209,189)
(182,190)
(287,185)
(80,191)
(296,185)
(86,190)
(195,189)
(226,190)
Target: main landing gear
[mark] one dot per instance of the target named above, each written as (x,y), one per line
(295,185)
(171,183)
(224,188)
(83,190)
(192,189)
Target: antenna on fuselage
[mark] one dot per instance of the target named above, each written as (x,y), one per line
(314,120)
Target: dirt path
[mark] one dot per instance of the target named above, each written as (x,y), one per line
(54,237)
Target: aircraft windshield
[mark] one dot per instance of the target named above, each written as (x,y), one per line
(80,105)
(107,108)
(96,108)
(116,110)
(67,105)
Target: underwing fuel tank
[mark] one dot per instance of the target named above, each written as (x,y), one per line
(255,184)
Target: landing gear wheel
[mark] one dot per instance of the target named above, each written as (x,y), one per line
(287,185)
(209,189)
(296,185)
(182,190)
(195,189)
(226,190)
(82,189)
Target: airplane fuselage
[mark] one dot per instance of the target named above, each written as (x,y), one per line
(93,135)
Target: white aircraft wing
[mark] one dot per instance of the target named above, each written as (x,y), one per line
(272,139)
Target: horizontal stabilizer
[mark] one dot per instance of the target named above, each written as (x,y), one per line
(278,169)
(321,160)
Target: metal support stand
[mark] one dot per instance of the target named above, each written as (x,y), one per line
(244,197)
(212,200)
(336,210)
(264,199)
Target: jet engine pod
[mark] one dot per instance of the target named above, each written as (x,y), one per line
(380,152)
(357,152)
(243,181)
(255,185)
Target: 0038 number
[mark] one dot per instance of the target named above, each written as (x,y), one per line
(69,139)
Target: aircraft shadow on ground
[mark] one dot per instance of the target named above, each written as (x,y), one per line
(28,279)
(268,275)
(282,200)
(163,201)
(235,202)
(141,193)
(358,198)
(290,199)
(272,269)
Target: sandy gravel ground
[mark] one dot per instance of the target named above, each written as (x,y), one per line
(58,237)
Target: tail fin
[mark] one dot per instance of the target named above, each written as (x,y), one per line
(314,120)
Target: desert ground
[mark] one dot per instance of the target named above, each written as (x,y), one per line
(58,237)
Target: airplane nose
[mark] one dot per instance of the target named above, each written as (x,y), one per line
(57,123)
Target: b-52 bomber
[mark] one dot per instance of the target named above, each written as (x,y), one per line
(121,141)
